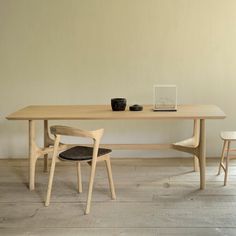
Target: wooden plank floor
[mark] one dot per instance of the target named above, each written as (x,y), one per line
(154,197)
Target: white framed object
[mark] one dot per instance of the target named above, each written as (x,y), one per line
(164,97)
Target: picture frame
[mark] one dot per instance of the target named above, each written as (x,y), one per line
(164,97)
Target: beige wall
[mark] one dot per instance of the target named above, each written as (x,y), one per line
(85,52)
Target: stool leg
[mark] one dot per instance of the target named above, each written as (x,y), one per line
(222,155)
(227,164)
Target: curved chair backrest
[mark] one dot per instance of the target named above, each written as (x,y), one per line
(59,130)
(69,131)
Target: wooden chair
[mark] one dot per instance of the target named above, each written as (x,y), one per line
(80,154)
(227,137)
(191,144)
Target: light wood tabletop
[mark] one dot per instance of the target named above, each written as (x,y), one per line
(104,112)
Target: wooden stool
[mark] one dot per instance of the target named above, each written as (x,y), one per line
(227,136)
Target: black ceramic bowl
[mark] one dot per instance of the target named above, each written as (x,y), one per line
(136,107)
(118,104)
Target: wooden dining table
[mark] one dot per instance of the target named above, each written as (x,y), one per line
(104,112)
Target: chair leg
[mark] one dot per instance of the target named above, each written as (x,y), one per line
(110,178)
(222,156)
(227,164)
(196,163)
(79,178)
(52,169)
(92,175)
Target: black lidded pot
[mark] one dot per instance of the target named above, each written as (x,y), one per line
(118,104)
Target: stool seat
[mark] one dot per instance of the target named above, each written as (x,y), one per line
(228,135)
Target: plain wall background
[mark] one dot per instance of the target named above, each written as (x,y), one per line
(88,51)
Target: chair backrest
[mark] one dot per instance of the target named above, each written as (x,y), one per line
(69,131)
(59,130)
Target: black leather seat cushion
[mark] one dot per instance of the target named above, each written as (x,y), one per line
(80,153)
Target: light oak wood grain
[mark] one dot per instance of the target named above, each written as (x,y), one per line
(103,112)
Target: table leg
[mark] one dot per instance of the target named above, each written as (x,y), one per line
(32,154)
(35,152)
(202,154)
(195,163)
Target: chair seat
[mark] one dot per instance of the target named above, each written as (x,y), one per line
(80,153)
(228,135)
